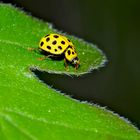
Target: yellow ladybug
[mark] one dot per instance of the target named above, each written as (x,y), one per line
(56,45)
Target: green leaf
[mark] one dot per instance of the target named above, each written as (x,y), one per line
(24,32)
(31,110)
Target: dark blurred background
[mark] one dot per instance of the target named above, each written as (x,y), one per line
(114,25)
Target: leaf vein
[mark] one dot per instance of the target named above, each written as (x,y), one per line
(10,121)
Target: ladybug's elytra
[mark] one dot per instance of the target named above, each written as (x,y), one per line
(56,45)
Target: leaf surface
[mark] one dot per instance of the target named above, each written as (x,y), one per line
(31,110)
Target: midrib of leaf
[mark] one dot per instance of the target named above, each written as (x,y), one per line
(26,46)
(15,43)
(9,121)
(42,120)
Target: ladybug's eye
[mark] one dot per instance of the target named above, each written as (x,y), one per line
(75,60)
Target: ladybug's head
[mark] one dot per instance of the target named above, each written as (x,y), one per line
(76,62)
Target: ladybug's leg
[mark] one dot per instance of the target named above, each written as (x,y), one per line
(44,57)
(76,67)
(66,65)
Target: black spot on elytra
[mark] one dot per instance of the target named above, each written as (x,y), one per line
(68,40)
(69,52)
(47,35)
(55,50)
(47,39)
(63,42)
(55,36)
(49,47)
(54,42)
(60,47)
(72,52)
(41,44)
